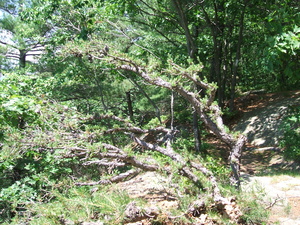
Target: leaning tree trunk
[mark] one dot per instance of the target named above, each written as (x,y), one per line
(208,111)
(204,110)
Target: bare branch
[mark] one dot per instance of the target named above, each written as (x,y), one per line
(111,180)
(10,45)
(102,163)
(271,204)
(168,152)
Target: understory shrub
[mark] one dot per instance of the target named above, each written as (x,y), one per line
(291,134)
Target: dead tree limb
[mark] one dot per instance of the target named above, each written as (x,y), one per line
(115,179)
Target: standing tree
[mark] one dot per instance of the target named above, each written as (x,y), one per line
(23,39)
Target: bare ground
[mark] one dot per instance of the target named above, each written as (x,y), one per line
(263,167)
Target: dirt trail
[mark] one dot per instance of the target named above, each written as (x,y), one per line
(261,124)
(263,167)
(281,193)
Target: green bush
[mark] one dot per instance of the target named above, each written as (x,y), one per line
(28,177)
(17,106)
(291,135)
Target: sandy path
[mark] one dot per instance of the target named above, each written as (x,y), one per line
(262,159)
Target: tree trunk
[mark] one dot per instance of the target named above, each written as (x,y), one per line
(216,68)
(197,134)
(235,160)
(22,59)
(183,21)
(237,59)
(129,105)
(217,29)
(192,50)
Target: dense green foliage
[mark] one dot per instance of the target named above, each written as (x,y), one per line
(291,134)
(58,81)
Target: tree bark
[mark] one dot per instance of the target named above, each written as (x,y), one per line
(235,160)
(237,58)
(115,179)
(190,42)
(217,29)
(129,105)
(197,135)
(22,59)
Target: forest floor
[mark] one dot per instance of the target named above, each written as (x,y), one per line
(263,167)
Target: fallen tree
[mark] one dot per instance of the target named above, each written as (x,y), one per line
(112,156)
(181,81)
(177,79)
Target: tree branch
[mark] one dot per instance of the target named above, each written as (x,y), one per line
(111,180)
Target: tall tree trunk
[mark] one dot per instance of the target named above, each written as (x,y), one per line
(183,21)
(216,69)
(237,59)
(218,33)
(217,29)
(192,50)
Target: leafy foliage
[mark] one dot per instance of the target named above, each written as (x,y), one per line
(15,106)
(291,135)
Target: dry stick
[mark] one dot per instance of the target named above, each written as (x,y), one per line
(102,163)
(111,180)
(121,155)
(274,202)
(172,110)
